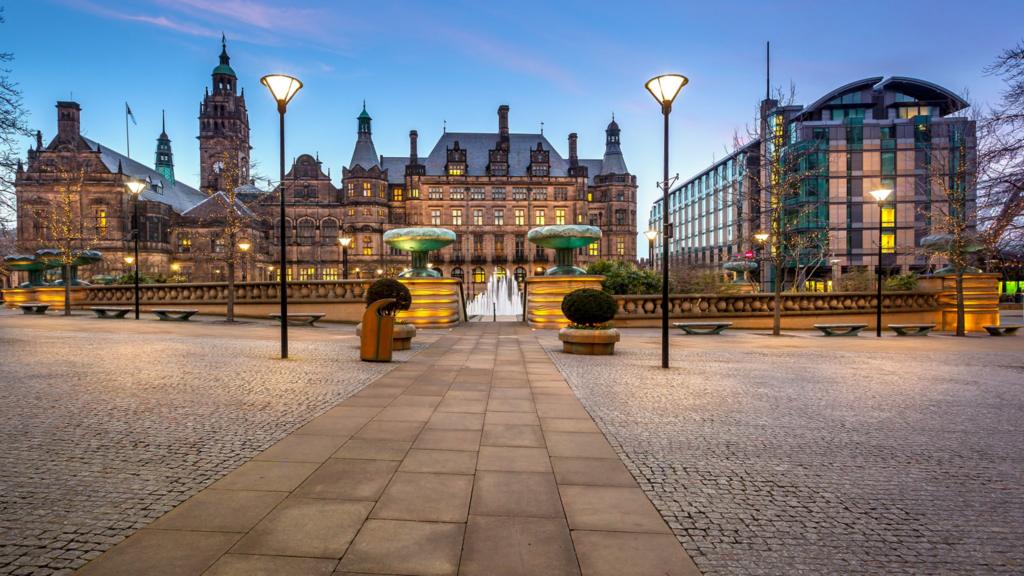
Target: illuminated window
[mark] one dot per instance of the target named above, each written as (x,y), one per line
(888,216)
(382,212)
(579,218)
(500,272)
(590,196)
(457,273)
(888,242)
(594,249)
(479,276)
(414,193)
(519,193)
(367,211)
(307,273)
(539,218)
(620,246)
(520,216)
(476,194)
(456,171)
(381,191)
(914,111)
(367,246)
(367,192)
(456,216)
(478,217)
(499,217)
(559,215)
(184,243)
(457,194)
(351,211)
(397,195)
(329,274)
(101,221)
(435,217)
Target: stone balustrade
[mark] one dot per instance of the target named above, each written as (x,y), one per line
(217,293)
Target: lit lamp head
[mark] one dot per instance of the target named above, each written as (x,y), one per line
(282,87)
(881,195)
(135,186)
(651,234)
(244,245)
(175,267)
(380,272)
(665,88)
(761,237)
(345,241)
(129,260)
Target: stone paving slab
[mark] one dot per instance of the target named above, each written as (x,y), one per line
(452,475)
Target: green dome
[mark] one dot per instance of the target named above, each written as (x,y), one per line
(224,69)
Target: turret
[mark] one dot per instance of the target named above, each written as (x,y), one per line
(68,121)
(164,157)
(613,162)
(364,154)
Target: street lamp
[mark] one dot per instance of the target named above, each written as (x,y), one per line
(135,188)
(345,242)
(244,246)
(651,234)
(283,88)
(880,196)
(665,88)
(761,238)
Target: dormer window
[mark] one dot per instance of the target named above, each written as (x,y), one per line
(456,165)
(456,170)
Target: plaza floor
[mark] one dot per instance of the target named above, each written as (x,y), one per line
(177,448)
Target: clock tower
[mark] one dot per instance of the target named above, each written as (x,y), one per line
(223,131)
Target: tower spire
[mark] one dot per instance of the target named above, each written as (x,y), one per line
(164,157)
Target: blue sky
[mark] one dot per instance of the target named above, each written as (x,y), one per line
(568,64)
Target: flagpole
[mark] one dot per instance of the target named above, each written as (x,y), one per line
(127,139)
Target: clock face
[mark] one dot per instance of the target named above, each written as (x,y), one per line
(218,166)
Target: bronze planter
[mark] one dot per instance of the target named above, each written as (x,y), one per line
(600,342)
(403,335)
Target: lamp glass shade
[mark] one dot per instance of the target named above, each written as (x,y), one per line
(881,195)
(244,245)
(666,87)
(345,241)
(135,187)
(129,259)
(651,234)
(282,87)
(761,237)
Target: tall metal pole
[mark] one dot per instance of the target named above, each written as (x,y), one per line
(665,235)
(137,256)
(344,262)
(878,304)
(283,267)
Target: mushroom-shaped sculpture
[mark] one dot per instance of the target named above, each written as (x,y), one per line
(740,270)
(565,239)
(419,242)
(30,264)
(51,258)
(944,244)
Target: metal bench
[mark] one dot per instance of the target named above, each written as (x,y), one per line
(300,318)
(34,307)
(174,314)
(911,329)
(110,311)
(702,328)
(840,329)
(1003,330)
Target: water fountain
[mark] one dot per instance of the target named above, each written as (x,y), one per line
(565,239)
(544,294)
(501,297)
(419,242)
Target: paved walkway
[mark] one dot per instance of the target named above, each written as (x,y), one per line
(474,457)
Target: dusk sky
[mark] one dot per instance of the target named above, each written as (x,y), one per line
(569,65)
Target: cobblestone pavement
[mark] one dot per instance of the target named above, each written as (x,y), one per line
(108,424)
(801,455)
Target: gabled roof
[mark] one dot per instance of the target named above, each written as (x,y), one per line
(216,206)
(175,194)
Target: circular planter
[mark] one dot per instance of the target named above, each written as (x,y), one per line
(588,342)
(402,340)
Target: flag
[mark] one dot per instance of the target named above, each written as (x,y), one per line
(128,113)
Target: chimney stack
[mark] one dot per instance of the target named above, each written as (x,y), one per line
(503,122)
(413,156)
(573,158)
(68,120)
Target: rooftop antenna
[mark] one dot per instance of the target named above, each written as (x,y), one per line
(542,128)
(444,127)
(768,70)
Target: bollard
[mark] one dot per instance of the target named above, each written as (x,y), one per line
(375,343)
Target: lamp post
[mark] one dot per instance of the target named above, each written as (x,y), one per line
(761,238)
(282,88)
(345,242)
(651,234)
(244,246)
(135,188)
(665,88)
(880,195)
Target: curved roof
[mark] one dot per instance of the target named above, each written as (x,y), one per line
(926,91)
(844,89)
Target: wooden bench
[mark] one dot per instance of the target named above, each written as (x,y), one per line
(34,307)
(1004,330)
(174,314)
(110,311)
(840,329)
(702,328)
(300,318)
(911,329)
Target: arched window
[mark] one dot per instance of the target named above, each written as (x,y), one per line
(500,272)
(329,231)
(287,230)
(457,273)
(367,246)
(306,231)
(479,276)
(520,274)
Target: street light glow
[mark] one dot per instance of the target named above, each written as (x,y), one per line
(881,195)
(282,87)
(651,234)
(345,241)
(666,87)
(761,237)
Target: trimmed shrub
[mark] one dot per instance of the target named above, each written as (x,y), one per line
(900,283)
(389,288)
(589,308)
(857,280)
(625,278)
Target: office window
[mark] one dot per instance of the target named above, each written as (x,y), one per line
(888,216)
(538,217)
(435,217)
(478,216)
(559,216)
(367,246)
(499,216)
(456,216)
(520,216)
(888,242)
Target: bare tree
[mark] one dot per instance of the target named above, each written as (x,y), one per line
(69,236)
(13,128)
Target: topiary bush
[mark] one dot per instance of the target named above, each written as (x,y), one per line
(589,308)
(900,283)
(389,288)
